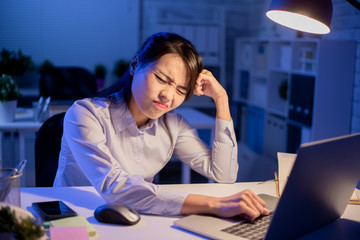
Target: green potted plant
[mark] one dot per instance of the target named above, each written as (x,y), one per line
(9,94)
(45,67)
(14,63)
(14,227)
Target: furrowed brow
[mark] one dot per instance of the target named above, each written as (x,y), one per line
(170,79)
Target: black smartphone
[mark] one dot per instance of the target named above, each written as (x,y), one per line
(53,210)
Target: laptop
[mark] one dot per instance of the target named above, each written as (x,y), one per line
(321,182)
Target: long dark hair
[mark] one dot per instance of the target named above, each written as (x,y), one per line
(156,46)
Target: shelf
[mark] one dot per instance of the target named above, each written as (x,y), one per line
(276,112)
(279,70)
(244,54)
(278,91)
(274,136)
(292,91)
(301,99)
(257,93)
(255,128)
(305,57)
(260,61)
(280,55)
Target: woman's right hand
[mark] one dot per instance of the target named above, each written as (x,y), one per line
(245,203)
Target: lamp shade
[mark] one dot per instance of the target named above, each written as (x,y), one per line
(313,16)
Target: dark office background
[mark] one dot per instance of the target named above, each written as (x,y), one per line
(87,33)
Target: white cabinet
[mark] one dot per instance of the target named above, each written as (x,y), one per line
(289,92)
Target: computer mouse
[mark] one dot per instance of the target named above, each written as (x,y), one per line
(116,213)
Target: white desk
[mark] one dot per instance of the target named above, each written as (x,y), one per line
(85,200)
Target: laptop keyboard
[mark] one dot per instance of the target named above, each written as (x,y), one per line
(250,230)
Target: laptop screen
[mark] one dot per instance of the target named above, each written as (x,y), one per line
(322,180)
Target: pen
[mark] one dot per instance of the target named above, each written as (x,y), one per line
(45,108)
(18,168)
(21,166)
(39,107)
(277,184)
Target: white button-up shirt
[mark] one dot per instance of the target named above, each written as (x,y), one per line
(102,146)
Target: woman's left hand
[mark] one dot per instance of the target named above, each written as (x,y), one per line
(206,84)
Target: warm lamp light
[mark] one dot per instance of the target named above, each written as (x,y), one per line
(313,16)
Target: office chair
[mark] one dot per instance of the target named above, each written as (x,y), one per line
(47,149)
(67,83)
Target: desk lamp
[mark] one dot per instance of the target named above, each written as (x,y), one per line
(313,16)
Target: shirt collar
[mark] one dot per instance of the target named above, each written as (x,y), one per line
(122,118)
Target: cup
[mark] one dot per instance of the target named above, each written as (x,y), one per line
(10,187)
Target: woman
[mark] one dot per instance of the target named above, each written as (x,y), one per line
(121,139)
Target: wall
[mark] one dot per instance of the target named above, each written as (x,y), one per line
(346,25)
(71,33)
(88,32)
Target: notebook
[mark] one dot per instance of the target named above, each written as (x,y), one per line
(321,182)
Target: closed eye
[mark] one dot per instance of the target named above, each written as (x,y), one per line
(179,90)
(160,79)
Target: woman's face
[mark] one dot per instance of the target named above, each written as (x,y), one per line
(158,87)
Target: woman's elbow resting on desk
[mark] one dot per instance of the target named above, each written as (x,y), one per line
(225,180)
(228,181)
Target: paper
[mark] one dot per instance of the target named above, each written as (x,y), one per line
(355,199)
(74,221)
(285,164)
(66,233)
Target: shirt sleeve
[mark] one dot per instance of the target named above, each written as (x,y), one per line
(218,163)
(85,137)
